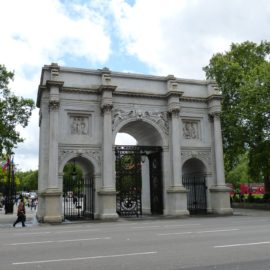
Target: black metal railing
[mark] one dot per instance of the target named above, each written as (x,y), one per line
(79,199)
(196,196)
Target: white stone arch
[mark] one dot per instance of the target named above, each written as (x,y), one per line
(194,166)
(154,125)
(89,162)
(161,140)
(203,156)
(70,154)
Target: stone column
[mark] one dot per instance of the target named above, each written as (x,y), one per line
(107,152)
(218,150)
(107,194)
(220,196)
(176,150)
(52,195)
(53,142)
(177,194)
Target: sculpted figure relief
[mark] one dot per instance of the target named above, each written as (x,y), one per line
(190,130)
(79,125)
(159,118)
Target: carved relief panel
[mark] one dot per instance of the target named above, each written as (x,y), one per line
(159,118)
(191,130)
(79,124)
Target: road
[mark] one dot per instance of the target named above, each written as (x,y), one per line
(235,242)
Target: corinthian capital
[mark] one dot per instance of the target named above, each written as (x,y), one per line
(54,105)
(107,108)
(215,115)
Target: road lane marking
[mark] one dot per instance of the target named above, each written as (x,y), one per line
(224,230)
(244,244)
(53,232)
(86,258)
(71,231)
(33,233)
(199,232)
(59,241)
(176,233)
(181,225)
(146,227)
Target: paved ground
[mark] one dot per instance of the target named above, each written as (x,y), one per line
(6,220)
(238,242)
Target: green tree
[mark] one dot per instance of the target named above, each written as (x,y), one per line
(243,76)
(240,173)
(68,182)
(26,181)
(14,111)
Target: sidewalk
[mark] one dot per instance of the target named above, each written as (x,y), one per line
(7,220)
(251,212)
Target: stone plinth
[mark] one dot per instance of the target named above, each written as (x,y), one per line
(220,200)
(177,200)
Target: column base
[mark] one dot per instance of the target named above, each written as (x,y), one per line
(107,204)
(52,210)
(177,200)
(220,200)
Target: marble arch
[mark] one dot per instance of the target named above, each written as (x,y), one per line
(81,111)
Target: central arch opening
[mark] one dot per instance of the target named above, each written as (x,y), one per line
(139,185)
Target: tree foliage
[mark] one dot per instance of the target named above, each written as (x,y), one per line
(68,183)
(26,181)
(243,76)
(239,174)
(14,111)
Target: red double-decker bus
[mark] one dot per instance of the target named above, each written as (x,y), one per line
(252,188)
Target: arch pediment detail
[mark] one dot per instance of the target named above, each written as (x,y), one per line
(91,154)
(203,155)
(157,117)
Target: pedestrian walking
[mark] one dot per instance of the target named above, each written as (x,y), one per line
(20,214)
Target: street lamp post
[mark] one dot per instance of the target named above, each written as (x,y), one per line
(10,188)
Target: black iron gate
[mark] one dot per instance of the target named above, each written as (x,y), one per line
(129,179)
(196,196)
(79,198)
(156,183)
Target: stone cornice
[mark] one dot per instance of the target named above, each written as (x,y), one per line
(81,90)
(107,88)
(125,93)
(214,97)
(196,148)
(138,94)
(77,146)
(50,83)
(129,75)
(194,99)
(41,88)
(174,93)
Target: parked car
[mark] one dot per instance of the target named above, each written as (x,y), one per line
(32,195)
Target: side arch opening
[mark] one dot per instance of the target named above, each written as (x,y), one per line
(194,180)
(78,189)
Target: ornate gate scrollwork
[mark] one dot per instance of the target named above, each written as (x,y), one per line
(129,179)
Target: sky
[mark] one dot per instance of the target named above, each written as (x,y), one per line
(157,37)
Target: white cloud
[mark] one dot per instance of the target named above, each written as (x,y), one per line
(180,36)
(38,32)
(168,36)
(26,155)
